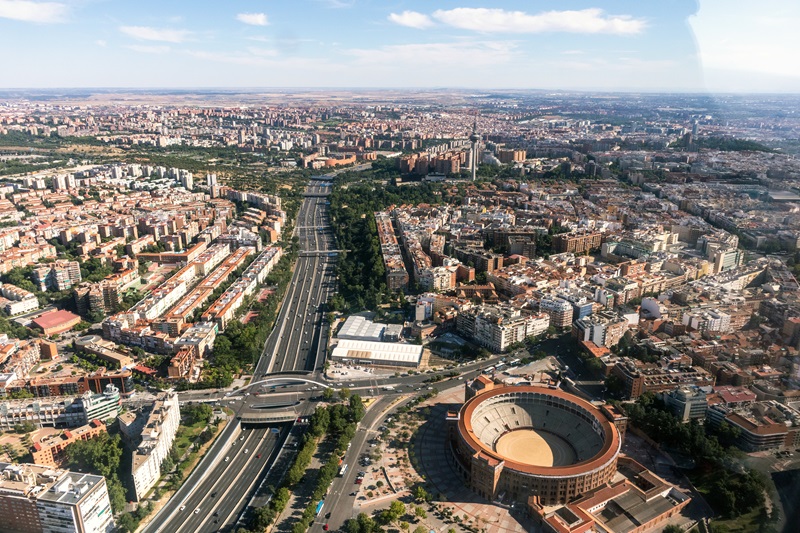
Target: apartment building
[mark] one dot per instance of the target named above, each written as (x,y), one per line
(496,327)
(767,425)
(638,377)
(558,309)
(687,403)
(603,329)
(17,300)
(157,433)
(49,451)
(577,242)
(60,275)
(36,498)
(61,412)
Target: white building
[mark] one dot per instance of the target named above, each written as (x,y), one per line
(707,320)
(497,329)
(559,310)
(157,435)
(377,353)
(359,328)
(437,279)
(41,498)
(19,300)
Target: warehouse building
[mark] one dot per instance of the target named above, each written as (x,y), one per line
(377,353)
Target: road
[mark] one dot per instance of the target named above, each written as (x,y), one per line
(212,498)
(222,490)
(297,343)
(340,500)
(217,493)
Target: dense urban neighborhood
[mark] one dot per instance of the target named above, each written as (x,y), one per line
(399,310)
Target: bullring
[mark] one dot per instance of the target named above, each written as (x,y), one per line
(511,443)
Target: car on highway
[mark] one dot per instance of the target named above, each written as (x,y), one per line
(246,450)
(258,456)
(183,507)
(197,510)
(227,459)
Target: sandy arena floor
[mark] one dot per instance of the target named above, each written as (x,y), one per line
(535,448)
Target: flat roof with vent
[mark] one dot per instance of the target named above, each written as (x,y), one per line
(378,353)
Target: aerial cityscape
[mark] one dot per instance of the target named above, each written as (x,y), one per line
(409,268)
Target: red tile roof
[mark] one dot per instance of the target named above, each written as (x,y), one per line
(55,318)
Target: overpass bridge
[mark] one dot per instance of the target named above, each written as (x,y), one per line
(320,253)
(266,418)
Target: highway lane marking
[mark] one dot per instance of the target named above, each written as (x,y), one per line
(220,500)
(235,433)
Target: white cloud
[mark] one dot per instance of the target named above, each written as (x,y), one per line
(100,42)
(501,21)
(167,35)
(412,19)
(149,49)
(26,11)
(253,19)
(339,4)
(262,52)
(451,54)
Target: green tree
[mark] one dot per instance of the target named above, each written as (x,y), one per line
(101,456)
(344,394)
(397,509)
(420,494)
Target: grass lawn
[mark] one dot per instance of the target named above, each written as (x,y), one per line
(186,435)
(746,523)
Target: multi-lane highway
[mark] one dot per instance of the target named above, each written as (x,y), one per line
(213,497)
(216,494)
(297,342)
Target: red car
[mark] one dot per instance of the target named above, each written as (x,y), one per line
(258,456)
(325,527)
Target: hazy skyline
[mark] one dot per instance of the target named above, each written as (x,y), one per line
(677,45)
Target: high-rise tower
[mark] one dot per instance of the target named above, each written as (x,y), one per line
(475,138)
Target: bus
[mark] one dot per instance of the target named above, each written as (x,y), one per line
(342,470)
(319,506)
(488,369)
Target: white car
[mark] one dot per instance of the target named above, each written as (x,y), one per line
(227,459)
(197,510)
(183,507)
(246,450)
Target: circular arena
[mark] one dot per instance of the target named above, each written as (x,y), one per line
(513,443)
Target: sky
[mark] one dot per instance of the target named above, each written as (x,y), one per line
(617,45)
